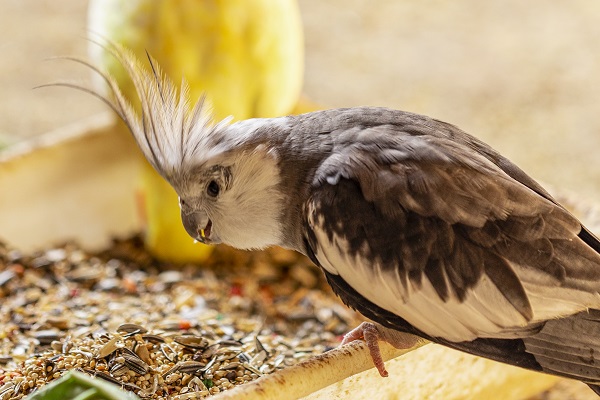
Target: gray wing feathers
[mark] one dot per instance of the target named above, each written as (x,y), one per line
(453,198)
(431,176)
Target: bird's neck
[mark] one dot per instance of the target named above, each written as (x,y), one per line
(298,158)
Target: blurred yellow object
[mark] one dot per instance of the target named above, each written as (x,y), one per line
(305,105)
(245,55)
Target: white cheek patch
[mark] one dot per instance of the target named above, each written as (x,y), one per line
(248,215)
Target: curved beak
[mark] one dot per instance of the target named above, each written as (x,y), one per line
(198,226)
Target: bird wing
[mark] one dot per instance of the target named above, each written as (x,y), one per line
(446,234)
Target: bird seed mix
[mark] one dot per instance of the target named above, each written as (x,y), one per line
(158,330)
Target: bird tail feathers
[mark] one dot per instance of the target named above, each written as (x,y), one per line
(569,347)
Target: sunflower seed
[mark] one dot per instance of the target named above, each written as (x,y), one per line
(46,337)
(191,367)
(136,364)
(5,359)
(156,339)
(169,353)
(106,377)
(131,329)
(142,352)
(118,369)
(109,347)
(6,276)
(192,342)
(251,368)
(232,365)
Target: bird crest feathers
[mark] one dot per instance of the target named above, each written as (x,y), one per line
(170,131)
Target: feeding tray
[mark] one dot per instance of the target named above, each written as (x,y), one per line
(77,186)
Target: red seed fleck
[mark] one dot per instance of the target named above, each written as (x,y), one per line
(185,324)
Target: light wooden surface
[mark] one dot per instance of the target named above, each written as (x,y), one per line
(77,183)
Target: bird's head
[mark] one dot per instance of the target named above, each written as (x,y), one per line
(232,197)
(226,177)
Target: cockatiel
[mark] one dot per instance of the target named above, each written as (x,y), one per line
(419,226)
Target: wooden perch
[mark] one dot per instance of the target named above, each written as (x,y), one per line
(430,371)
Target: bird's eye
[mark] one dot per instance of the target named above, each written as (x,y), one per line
(213,189)
(181,202)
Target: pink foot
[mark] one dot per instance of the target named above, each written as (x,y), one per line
(371,333)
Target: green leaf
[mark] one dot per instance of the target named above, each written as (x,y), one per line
(78,386)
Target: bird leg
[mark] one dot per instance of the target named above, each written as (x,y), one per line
(371,333)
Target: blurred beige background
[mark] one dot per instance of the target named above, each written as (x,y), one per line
(523,76)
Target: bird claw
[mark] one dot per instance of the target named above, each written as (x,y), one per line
(371,333)
(368,332)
